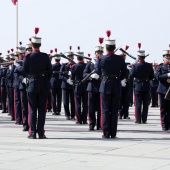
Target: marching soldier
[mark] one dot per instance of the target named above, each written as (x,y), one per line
(67,87)
(143,73)
(37,67)
(93,92)
(163,75)
(56,86)
(109,68)
(80,90)
(124,100)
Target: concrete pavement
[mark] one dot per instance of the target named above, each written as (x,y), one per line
(70,146)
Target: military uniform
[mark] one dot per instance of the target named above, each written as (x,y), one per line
(68,91)
(143,73)
(80,92)
(109,68)
(56,88)
(164,83)
(37,67)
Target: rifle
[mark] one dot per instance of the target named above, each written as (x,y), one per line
(11,62)
(117,49)
(82,81)
(127,53)
(62,55)
(167,95)
(82,56)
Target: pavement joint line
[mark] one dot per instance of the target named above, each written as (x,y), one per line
(161,167)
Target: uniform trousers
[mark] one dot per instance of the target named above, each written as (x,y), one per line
(56,94)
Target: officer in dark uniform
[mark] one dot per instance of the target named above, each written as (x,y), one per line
(80,90)
(124,100)
(163,75)
(37,67)
(3,89)
(109,68)
(67,87)
(56,86)
(93,92)
(10,89)
(16,84)
(22,86)
(153,87)
(143,73)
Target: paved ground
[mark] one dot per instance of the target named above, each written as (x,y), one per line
(71,146)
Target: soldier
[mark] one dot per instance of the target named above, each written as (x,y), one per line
(37,67)
(67,87)
(80,90)
(143,73)
(10,90)
(16,84)
(153,87)
(3,89)
(56,86)
(93,92)
(109,68)
(163,75)
(124,100)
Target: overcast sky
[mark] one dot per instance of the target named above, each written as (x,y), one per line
(65,23)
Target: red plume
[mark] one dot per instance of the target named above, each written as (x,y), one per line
(70,48)
(55,49)
(127,47)
(8,51)
(14,2)
(0,53)
(139,45)
(108,32)
(88,55)
(51,51)
(20,43)
(101,40)
(29,39)
(12,49)
(78,47)
(36,30)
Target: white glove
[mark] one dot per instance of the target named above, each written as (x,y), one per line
(16,64)
(70,82)
(69,73)
(123,83)
(25,80)
(10,67)
(168,74)
(95,76)
(129,67)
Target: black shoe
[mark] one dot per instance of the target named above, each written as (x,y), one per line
(42,137)
(4,111)
(18,123)
(49,110)
(12,119)
(105,136)
(25,128)
(165,128)
(144,122)
(126,117)
(91,128)
(72,118)
(120,117)
(55,113)
(112,136)
(138,122)
(67,118)
(31,137)
(58,113)
(85,123)
(78,123)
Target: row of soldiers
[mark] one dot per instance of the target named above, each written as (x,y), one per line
(103,87)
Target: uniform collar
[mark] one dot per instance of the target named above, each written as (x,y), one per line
(166,63)
(36,51)
(110,53)
(80,62)
(141,61)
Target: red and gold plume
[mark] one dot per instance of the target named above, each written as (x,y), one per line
(139,45)
(36,30)
(108,33)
